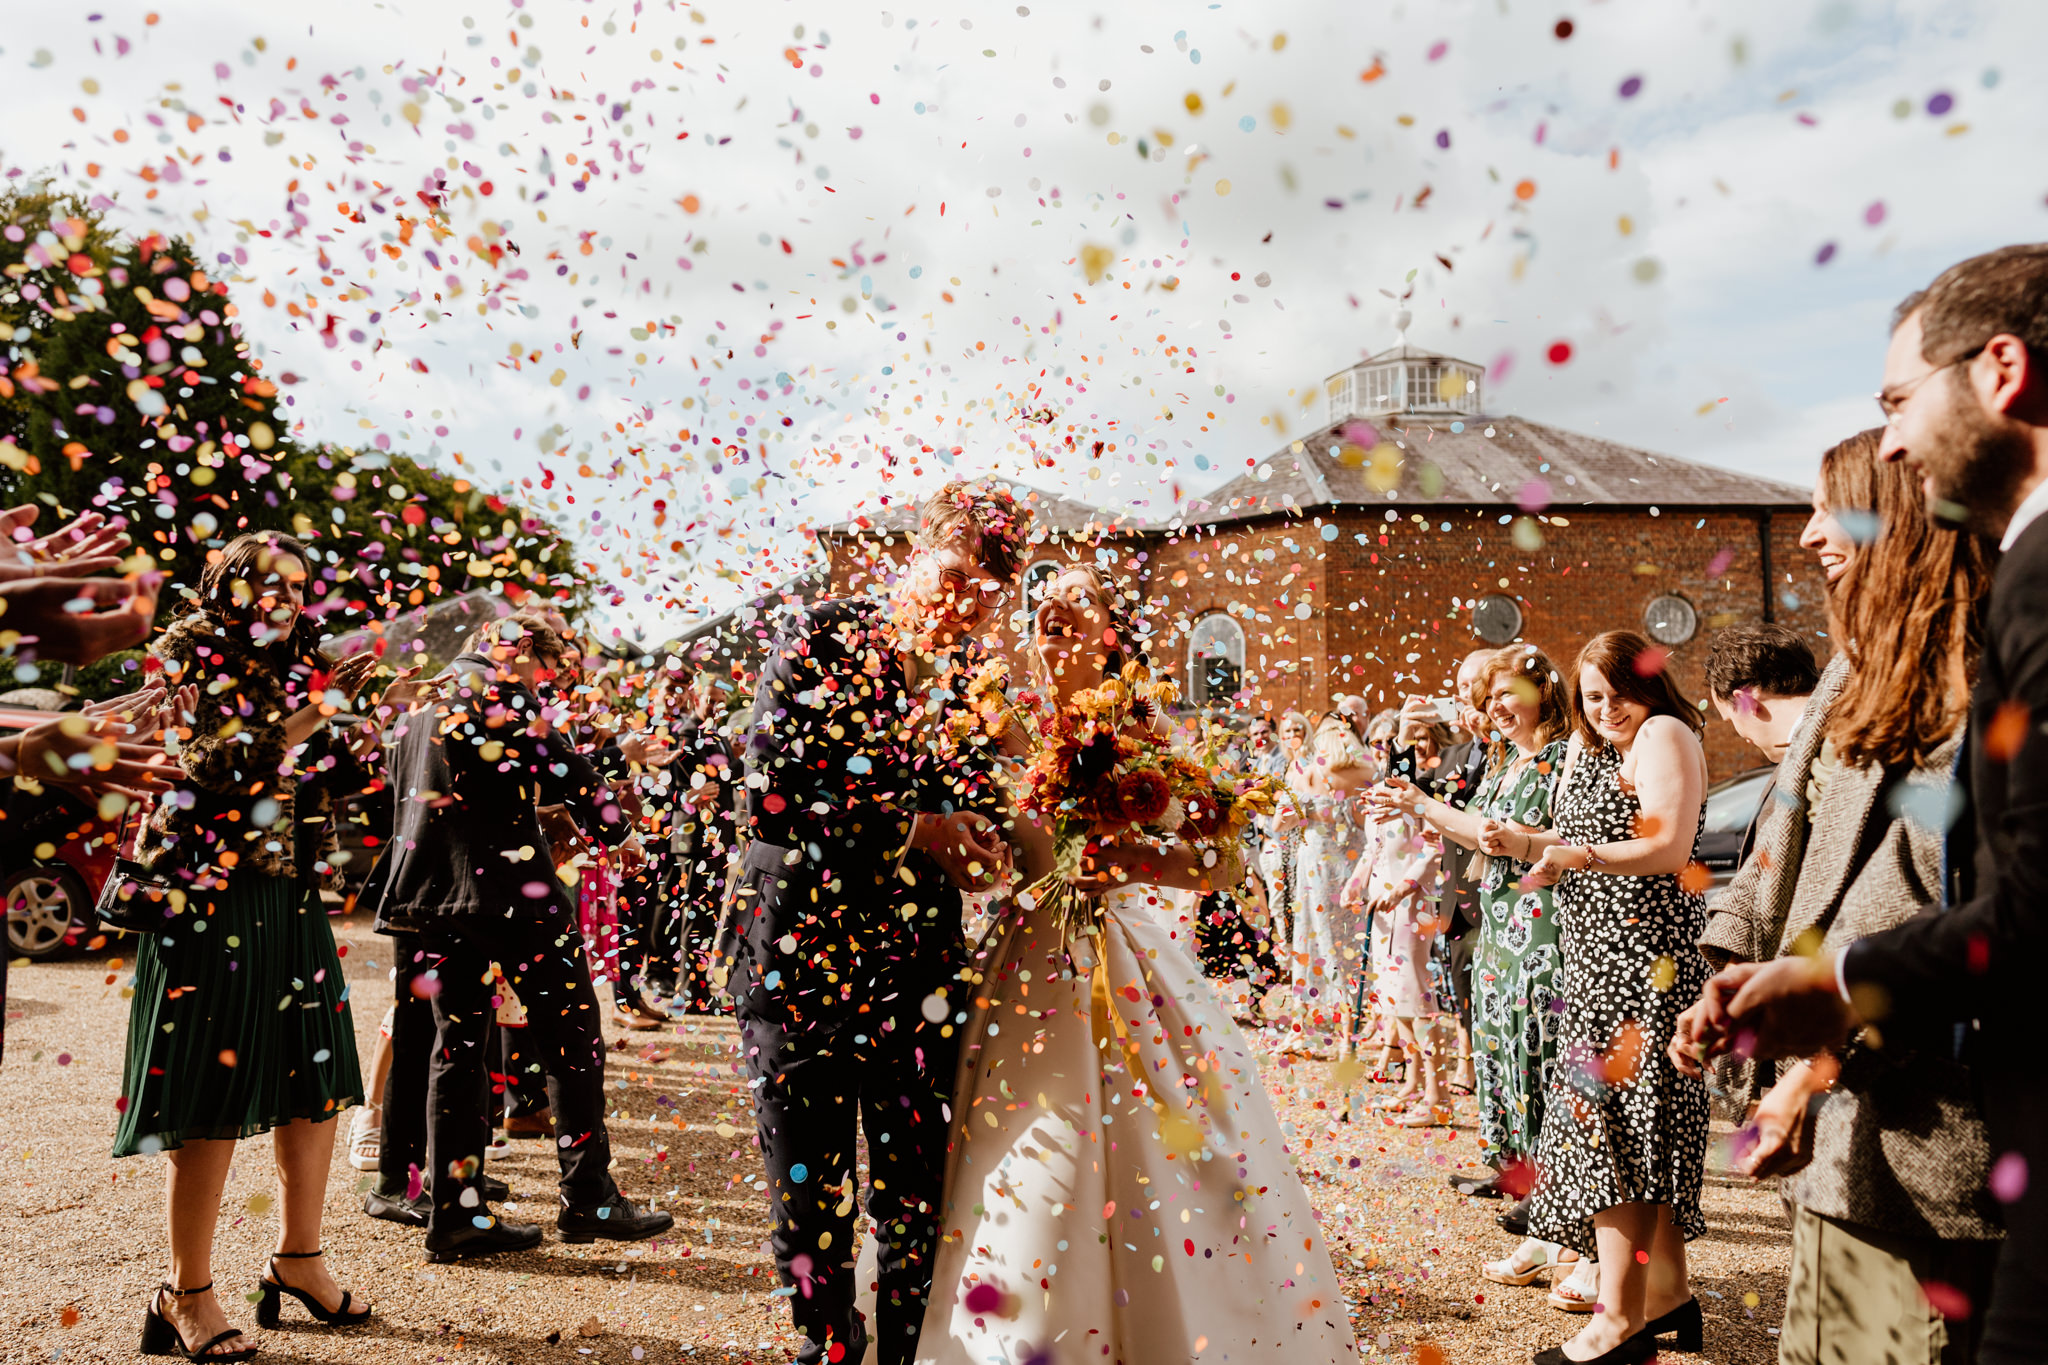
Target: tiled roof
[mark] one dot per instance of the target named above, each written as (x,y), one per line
(1051,513)
(1493,462)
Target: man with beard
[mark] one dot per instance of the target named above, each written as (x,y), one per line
(844,941)
(1965,399)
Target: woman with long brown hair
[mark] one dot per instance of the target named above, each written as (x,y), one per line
(1887,1179)
(240,1022)
(1622,1151)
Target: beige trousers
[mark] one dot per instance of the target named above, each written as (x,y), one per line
(1854,1296)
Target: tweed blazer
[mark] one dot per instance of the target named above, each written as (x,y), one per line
(1746,920)
(1899,1145)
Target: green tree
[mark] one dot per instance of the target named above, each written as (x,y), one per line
(127,387)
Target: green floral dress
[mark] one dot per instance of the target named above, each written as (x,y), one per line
(1515,1008)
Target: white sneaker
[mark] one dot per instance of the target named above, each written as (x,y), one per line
(365,1138)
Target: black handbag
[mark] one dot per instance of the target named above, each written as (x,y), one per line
(134,898)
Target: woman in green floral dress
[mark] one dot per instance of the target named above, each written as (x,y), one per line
(1515,962)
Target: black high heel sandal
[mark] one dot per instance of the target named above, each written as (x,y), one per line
(160,1337)
(271,1292)
(1687,1321)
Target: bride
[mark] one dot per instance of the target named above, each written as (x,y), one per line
(1129,1201)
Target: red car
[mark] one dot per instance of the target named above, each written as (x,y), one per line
(52,868)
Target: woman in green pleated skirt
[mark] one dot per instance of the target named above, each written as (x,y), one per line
(240,1021)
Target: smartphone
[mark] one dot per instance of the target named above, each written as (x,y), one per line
(1447,710)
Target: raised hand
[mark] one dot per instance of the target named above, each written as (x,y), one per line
(77,620)
(89,752)
(349,676)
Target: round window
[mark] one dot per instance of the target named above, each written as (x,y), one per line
(1670,620)
(1497,619)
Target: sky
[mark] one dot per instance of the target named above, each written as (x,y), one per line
(694,278)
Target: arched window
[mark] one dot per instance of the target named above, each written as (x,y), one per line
(1215,660)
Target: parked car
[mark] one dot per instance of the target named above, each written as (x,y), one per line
(53,866)
(1731,806)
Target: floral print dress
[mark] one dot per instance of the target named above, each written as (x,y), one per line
(1514,966)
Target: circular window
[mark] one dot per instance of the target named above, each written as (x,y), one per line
(1497,619)
(1670,620)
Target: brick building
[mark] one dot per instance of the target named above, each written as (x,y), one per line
(1372,554)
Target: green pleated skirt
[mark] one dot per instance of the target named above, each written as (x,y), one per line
(240,1022)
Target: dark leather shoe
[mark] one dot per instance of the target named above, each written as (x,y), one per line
(494,1240)
(1477,1186)
(1514,1219)
(539,1124)
(1633,1351)
(410,1213)
(615,1220)
(1687,1321)
(492,1190)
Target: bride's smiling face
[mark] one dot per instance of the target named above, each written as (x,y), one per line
(1071,631)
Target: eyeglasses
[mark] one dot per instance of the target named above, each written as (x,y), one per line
(1891,403)
(964,591)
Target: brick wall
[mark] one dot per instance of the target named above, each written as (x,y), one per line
(1350,601)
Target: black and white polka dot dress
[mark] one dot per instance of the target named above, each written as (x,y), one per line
(1620,1125)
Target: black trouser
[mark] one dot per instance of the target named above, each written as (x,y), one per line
(403,1145)
(547,967)
(519,1082)
(811,1087)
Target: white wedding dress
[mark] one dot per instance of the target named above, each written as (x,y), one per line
(1081,1222)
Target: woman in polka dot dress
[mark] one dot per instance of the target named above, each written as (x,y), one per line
(1623,1142)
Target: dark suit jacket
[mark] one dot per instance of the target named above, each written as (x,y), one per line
(468,782)
(1982,959)
(830,921)
(1454,780)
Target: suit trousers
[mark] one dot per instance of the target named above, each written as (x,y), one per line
(812,1087)
(402,1148)
(545,962)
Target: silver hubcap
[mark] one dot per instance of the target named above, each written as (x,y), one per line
(38,914)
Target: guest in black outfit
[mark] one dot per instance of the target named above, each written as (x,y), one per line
(1966,398)
(1453,779)
(846,936)
(470,876)
(240,1021)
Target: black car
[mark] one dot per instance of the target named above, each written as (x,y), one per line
(1731,807)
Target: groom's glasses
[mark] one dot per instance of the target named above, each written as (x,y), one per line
(966,592)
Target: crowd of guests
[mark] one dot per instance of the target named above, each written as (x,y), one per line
(1512,867)
(1493,890)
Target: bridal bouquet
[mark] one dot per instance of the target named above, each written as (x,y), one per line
(1098,773)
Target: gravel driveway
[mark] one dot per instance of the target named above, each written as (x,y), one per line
(83,1243)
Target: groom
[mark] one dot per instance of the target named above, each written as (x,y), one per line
(845,935)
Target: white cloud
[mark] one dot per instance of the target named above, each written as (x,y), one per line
(1727,192)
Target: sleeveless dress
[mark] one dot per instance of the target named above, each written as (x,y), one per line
(1118,1188)
(1620,1125)
(1514,967)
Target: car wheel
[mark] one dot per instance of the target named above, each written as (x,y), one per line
(44,904)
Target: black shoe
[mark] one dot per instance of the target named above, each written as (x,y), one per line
(492,1190)
(615,1220)
(820,1352)
(494,1240)
(270,1292)
(1514,1219)
(1477,1186)
(392,1208)
(161,1338)
(1634,1351)
(1687,1321)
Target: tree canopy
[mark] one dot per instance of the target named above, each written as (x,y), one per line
(126,386)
